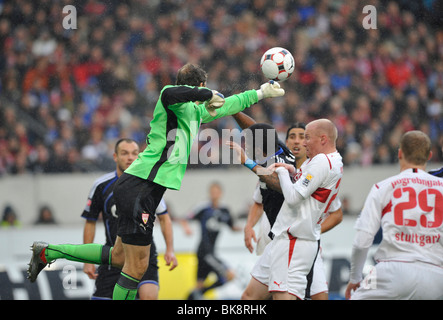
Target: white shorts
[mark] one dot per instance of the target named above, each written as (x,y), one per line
(263,237)
(319,283)
(285,264)
(394,280)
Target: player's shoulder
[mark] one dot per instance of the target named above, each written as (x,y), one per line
(320,159)
(437,172)
(390,181)
(105,178)
(199,208)
(167,87)
(224,207)
(406,177)
(102,181)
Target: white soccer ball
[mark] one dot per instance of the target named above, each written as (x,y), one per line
(277,64)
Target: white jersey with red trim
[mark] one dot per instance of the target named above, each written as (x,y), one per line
(318,186)
(409,209)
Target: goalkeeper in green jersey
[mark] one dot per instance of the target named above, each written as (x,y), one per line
(180,110)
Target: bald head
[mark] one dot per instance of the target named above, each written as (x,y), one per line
(326,127)
(320,136)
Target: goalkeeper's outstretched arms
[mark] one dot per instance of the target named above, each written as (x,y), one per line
(217,101)
(173,94)
(238,102)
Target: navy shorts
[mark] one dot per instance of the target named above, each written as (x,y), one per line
(136,200)
(108,277)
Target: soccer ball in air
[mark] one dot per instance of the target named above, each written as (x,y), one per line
(277,64)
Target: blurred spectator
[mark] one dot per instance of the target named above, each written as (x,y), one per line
(9,218)
(58,158)
(67,95)
(39,159)
(346,206)
(45,216)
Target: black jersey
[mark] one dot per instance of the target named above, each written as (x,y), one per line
(437,172)
(210,219)
(272,200)
(101,200)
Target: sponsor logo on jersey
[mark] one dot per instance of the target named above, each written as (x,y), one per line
(308,179)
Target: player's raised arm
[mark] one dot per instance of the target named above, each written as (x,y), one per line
(238,102)
(171,95)
(243,120)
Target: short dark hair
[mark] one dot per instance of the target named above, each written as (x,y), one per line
(191,75)
(297,125)
(262,134)
(127,140)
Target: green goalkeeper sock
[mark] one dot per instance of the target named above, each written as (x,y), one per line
(87,253)
(125,288)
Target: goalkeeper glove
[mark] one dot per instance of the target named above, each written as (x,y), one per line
(215,102)
(270,89)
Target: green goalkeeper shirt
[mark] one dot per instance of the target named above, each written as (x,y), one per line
(175,124)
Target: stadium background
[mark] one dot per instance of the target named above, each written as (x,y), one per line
(66,96)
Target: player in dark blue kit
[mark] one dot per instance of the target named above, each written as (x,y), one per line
(101,200)
(210,216)
(437,172)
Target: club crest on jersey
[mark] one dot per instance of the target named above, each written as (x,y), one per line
(145,217)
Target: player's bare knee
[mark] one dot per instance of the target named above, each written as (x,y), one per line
(150,292)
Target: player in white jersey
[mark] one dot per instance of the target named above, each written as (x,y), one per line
(269,191)
(409,209)
(318,187)
(287,260)
(297,227)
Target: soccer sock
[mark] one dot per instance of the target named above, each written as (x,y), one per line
(125,288)
(87,253)
(218,283)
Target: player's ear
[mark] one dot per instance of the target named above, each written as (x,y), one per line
(430,155)
(323,139)
(400,154)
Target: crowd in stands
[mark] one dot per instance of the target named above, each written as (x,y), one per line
(66,95)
